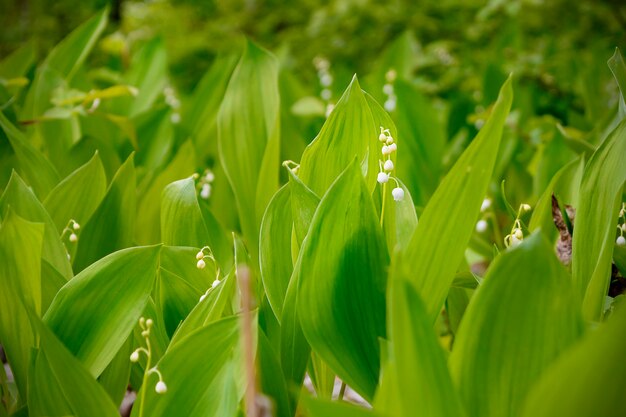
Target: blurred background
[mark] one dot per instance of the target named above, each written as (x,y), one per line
(454,40)
(435,65)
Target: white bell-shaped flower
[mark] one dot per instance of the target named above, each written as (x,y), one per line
(388,166)
(382,177)
(398,194)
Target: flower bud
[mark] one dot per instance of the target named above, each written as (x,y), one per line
(386,150)
(215,283)
(525,207)
(201,264)
(389,140)
(398,194)
(160,388)
(76,226)
(382,178)
(621,241)
(388,166)
(202,297)
(481,226)
(134,357)
(518,234)
(199,255)
(149,323)
(485,205)
(515,241)
(73,238)
(392,148)
(382,137)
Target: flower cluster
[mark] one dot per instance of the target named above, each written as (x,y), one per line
(146,325)
(322,65)
(482,225)
(517,235)
(172,101)
(205,183)
(200,257)
(621,240)
(388,90)
(71,228)
(386,167)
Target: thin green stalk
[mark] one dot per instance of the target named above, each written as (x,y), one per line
(144,383)
(382,210)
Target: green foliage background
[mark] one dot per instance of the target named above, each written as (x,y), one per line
(155,154)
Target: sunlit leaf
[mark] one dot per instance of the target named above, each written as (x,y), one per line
(519,321)
(341,299)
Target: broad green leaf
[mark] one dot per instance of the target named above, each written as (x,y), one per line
(213,307)
(191,370)
(596,214)
(111,227)
(421,142)
(148,73)
(33,165)
(115,377)
(60,385)
(275,246)
(421,372)
(20,198)
(200,115)
(149,207)
(588,380)
(20,279)
(341,296)
(519,321)
(272,380)
(248,136)
(400,218)
(564,184)
(181,284)
(438,245)
(184,222)
(349,132)
(58,70)
(304,202)
(618,68)
(94,313)
(18,62)
(294,348)
(78,195)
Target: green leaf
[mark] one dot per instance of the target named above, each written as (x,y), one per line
(148,73)
(564,184)
(400,219)
(349,131)
(20,280)
(341,296)
(60,385)
(618,68)
(421,142)
(519,321)
(78,195)
(248,136)
(94,313)
(181,284)
(200,115)
(114,379)
(20,198)
(275,245)
(420,370)
(149,207)
(595,376)
(596,215)
(33,165)
(213,307)
(18,62)
(60,66)
(304,202)
(271,378)
(438,245)
(193,372)
(111,227)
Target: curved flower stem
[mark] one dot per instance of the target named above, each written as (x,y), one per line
(144,383)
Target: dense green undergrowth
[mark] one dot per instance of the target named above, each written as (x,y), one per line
(440,257)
